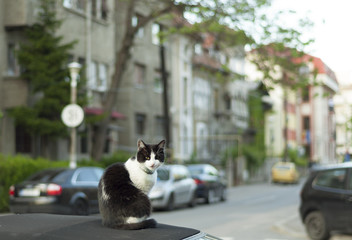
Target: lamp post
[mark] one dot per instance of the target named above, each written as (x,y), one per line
(74,68)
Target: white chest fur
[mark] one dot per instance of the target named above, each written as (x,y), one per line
(140,178)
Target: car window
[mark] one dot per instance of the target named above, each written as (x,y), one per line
(45,176)
(62,177)
(335,178)
(163,174)
(212,171)
(179,173)
(195,170)
(284,166)
(87,175)
(99,172)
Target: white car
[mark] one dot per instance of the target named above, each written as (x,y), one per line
(174,187)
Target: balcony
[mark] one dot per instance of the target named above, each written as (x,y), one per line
(19,13)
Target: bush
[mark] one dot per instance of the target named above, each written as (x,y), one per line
(119,156)
(294,157)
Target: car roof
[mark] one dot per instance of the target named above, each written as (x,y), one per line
(169,166)
(51,226)
(50,173)
(322,167)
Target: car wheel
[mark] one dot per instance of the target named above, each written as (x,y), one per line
(193,202)
(211,196)
(80,207)
(316,226)
(223,196)
(170,203)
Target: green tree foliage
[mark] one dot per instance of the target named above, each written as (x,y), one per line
(232,22)
(43,60)
(255,151)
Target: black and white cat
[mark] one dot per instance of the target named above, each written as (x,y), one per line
(123,189)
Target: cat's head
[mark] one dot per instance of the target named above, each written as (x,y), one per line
(150,156)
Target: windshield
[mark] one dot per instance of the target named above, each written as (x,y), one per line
(163,174)
(196,170)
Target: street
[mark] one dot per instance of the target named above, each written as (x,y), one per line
(252,212)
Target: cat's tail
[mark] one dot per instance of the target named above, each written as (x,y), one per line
(149,223)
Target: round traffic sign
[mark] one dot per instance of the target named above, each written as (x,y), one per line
(72,115)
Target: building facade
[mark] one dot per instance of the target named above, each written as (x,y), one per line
(304,120)
(207,107)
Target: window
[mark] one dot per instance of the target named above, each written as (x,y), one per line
(23,140)
(139,75)
(185,95)
(93,75)
(12,67)
(216,100)
(140,123)
(335,178)
(79,5)
(84,141)
(159,126)
(156,28)
(306,123)
(305,94)
(158,85)
(98,76)
(198,49)
(103,78)
(82,61)
(135,21)
(228,100)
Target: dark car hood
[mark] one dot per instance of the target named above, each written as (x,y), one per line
(49,226)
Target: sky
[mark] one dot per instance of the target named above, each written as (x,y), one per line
(332,31)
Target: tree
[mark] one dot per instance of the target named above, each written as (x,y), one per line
(43,62)
(232,22)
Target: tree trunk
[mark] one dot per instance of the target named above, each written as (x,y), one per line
(122,57)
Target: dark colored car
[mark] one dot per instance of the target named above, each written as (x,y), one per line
(210,185)
(61,191)
(51,226)
(326,201)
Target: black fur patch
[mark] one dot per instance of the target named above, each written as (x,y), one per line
(144,153)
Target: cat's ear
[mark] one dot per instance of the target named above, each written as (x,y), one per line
(161,144)
(140,144)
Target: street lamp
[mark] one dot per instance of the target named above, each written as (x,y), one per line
(74,68)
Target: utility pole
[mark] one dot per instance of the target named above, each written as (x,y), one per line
(165,91)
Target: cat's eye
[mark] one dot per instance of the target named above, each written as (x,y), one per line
(147,158)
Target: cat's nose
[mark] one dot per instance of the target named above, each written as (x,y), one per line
(152,165)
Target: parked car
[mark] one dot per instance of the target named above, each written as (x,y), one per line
(284,172)
(326,200)
(210,185)
(174,187)
(64,227)
(60,190)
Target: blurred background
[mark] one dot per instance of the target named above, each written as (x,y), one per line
(239,85)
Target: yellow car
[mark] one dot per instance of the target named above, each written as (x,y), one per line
(284,172)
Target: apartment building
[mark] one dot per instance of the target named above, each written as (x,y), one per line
(304,119)
(343,111)
(201,106)
(92,25)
